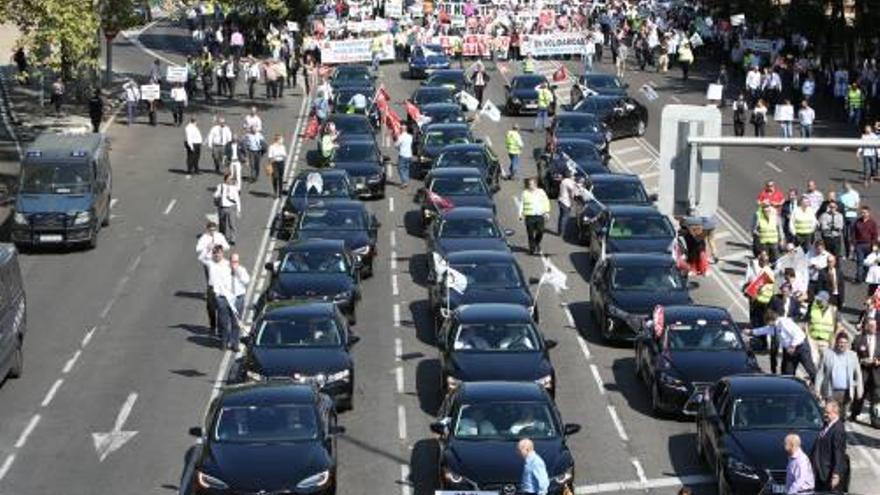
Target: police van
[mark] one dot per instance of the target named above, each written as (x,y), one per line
(13,317)
(64,191)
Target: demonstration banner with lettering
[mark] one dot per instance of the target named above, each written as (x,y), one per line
(542,45)
(353,50)
(394,9)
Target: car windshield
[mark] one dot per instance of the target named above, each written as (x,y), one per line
(619,192)
(447,136)
(443,79)
(703,336)
(352,126)
(647,278)
(424,97)
(47,178)
(299,332)
(272,423)
(355,152)
(470,158)
(505,421)
(599,81)
(580,152)
(596,106)
(496,337)
(333,219)
(331,187)
(489,276)
(344,96)
(444,114)
(350,76)
(314,261)
(458,186)
(571,125)
(529,82)
(776,411)
(469,227)
(640,227)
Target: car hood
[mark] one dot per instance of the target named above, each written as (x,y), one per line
(524,93)
(497,461)
(763,449)
(359,169)
(447,245)
(610,91)
(642,245)
(277,467)
(593,137)
(475,200)
(354,239)
(275,361)
(642,302)
(473,296)
(709,366)
(291,285)
(508,366)
(53,203)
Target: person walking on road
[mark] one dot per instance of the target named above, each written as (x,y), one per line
(534,480)
(850,200)
(219,138)
(865,235)
(480,80)
(829,460)
(255,146)
(132,99)
(178,103)
(534,209)
(277,157)
(685,59)
(785,117)
(822,319)
(569,189)
(799,472)
(740,110)
(404,144)
(806,118)
(868,156)
(57,96)
(855,103)
(867,348)
(253,121)
(839,377)
(228,201)
(792,340)
(514,143)
(207,242)
(96,110)
(240,281)
(767,232)
(220,278)
(193,146)
(545,98)
(803,223)
(759,118)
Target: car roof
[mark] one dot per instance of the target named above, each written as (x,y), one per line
(448,71)
(479,256)
(502,391)
(492,313)
(442,126)
(575,116)
(757,383)
(695,311)
(314,245)
(455,172)
(327,172)
(349,116)
(641,210)
(440,105)
(610,177)
(338,203)
(267,393)
(467,212)
(287,309)
(72,148)
(640,259)
(464,147)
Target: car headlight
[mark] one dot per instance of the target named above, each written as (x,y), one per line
(20,219)
(741,468)
(362,251)
(80,217)
(601,146)
(617,312)
(515,101)
(452,383)
(342,296)
(374,178)
(671,381)
(288,214)
(208,481)
(452,476)
(339,376)
(315,480)
(545,381)
(254,376)
(564,477)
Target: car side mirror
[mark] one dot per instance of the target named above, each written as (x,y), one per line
(479,141)
(630,107)
(653,197)
(440,427)
(534,280)
(507,86)
(618,110)
(247,339)
(509,232)
(336,430)
(353,339)
(196,431)
(571,428)
(269,266)
(550,343)
(386,159)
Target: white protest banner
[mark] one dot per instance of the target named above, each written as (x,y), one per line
(353,50)
(539,45)
(176,74)
(394,9)
(758,45)
(490,110)
(784,113)
(370,26)
(150,92)
(715,92)
(737,20)
(468,101)
(455,11)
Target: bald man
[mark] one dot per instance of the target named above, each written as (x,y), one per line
(534,477)
(799,473)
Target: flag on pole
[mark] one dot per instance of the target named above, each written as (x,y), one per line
(760,281)
(392,120)
(553,276)
(490,110)
(456,280)
(561,74)
(413,111)
(468,101)
(312,128)
(440,202)
(570,164)
(439,264)
(315,181)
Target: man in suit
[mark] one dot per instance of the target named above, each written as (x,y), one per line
(829,459)
(839,377)
(783,304)
(867,348)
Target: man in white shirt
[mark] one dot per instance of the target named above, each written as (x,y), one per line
(132,99)
(792,340)
(179,102)
(753,84)
(240,281)
(193,146)
(253,121)
(404,155)
(218,137)
(220,279)
(806,117)
(569,189)
(277,157)
(204,249)
(227,198)
(357,103)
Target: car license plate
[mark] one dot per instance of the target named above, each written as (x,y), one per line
(777,488)
(51,238)
(360,186)
(532,106)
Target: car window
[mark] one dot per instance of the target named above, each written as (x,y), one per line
(488,276)
(469,227)
(458,186)
(703,335)
(497,337)
(579,152)
(352,127)
(330,188)
(470,158)
(48,178)
(355,152)
(446,137)
(619,192)
(442,115)
(789,412)
(527,82)
(603,82)
(315,261)
(642,226)
(505,420)
(647,278)
(577,125)
(266,424)
(433,96)
(333,218)
(311,332)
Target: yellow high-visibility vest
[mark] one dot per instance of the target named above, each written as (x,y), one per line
(534,203)
(821,323)
(513,142)
(804,221)
(768,228)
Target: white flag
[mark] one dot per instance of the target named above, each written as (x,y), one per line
(649,92)
(490,110)
(468,101)
(439,264)
(553,276)
(316,182)
(456,280)
(570,164)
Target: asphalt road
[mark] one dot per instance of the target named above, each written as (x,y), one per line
(127,318)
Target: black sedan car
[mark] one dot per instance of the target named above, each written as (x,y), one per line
(433,94)
(741,426)
(364,164)
(334,184)
(578,157)
(426,59)
(454,79)
(448,188)
(491,277)
(494,342)
(465,228)
(269,437)
(342,98)
(347,76)
(346,220)
(478,427)
(629,229)
(685,351)
(624,116)
(476,155)
(592,83)
(522,94)
(443,113)
(435,137)
(317,269)
(625,288)
(580,126)
(609,189)
(351,127)
(306,341)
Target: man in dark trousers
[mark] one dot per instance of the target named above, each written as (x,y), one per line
(96,110)
(867,347)
(783,304)
(829,459)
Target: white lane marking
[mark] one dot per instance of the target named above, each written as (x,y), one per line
(675,99)
(6,465)
(722,235)
(623,486)
(396,315)
(649,175)
(394,289)
(51,393)
(170,206)
(864,451)
(88,337)
(134,264)
(23,438)
(71,362)
(398,349)
(737,255)
(583,344)
(595,370)
(134,38)
(394,260)
(393,239)
(401,421)
(628,149)
(398,375)
(113,202)
(617,423)
(405,488)
(390,204)
(569,317)
(640,161)
(640,471)
(108,442)
(773,166)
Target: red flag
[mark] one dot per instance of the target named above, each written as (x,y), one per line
(311,128)
(392,121)
(381,95)
(659,320)
(440,202)
(760,281)
(413,111)
(561,74)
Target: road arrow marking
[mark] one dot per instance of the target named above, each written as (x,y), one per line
(107,443)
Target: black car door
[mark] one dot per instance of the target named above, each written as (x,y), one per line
(598,231)
(630,120)
(714,425)
(598,287)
